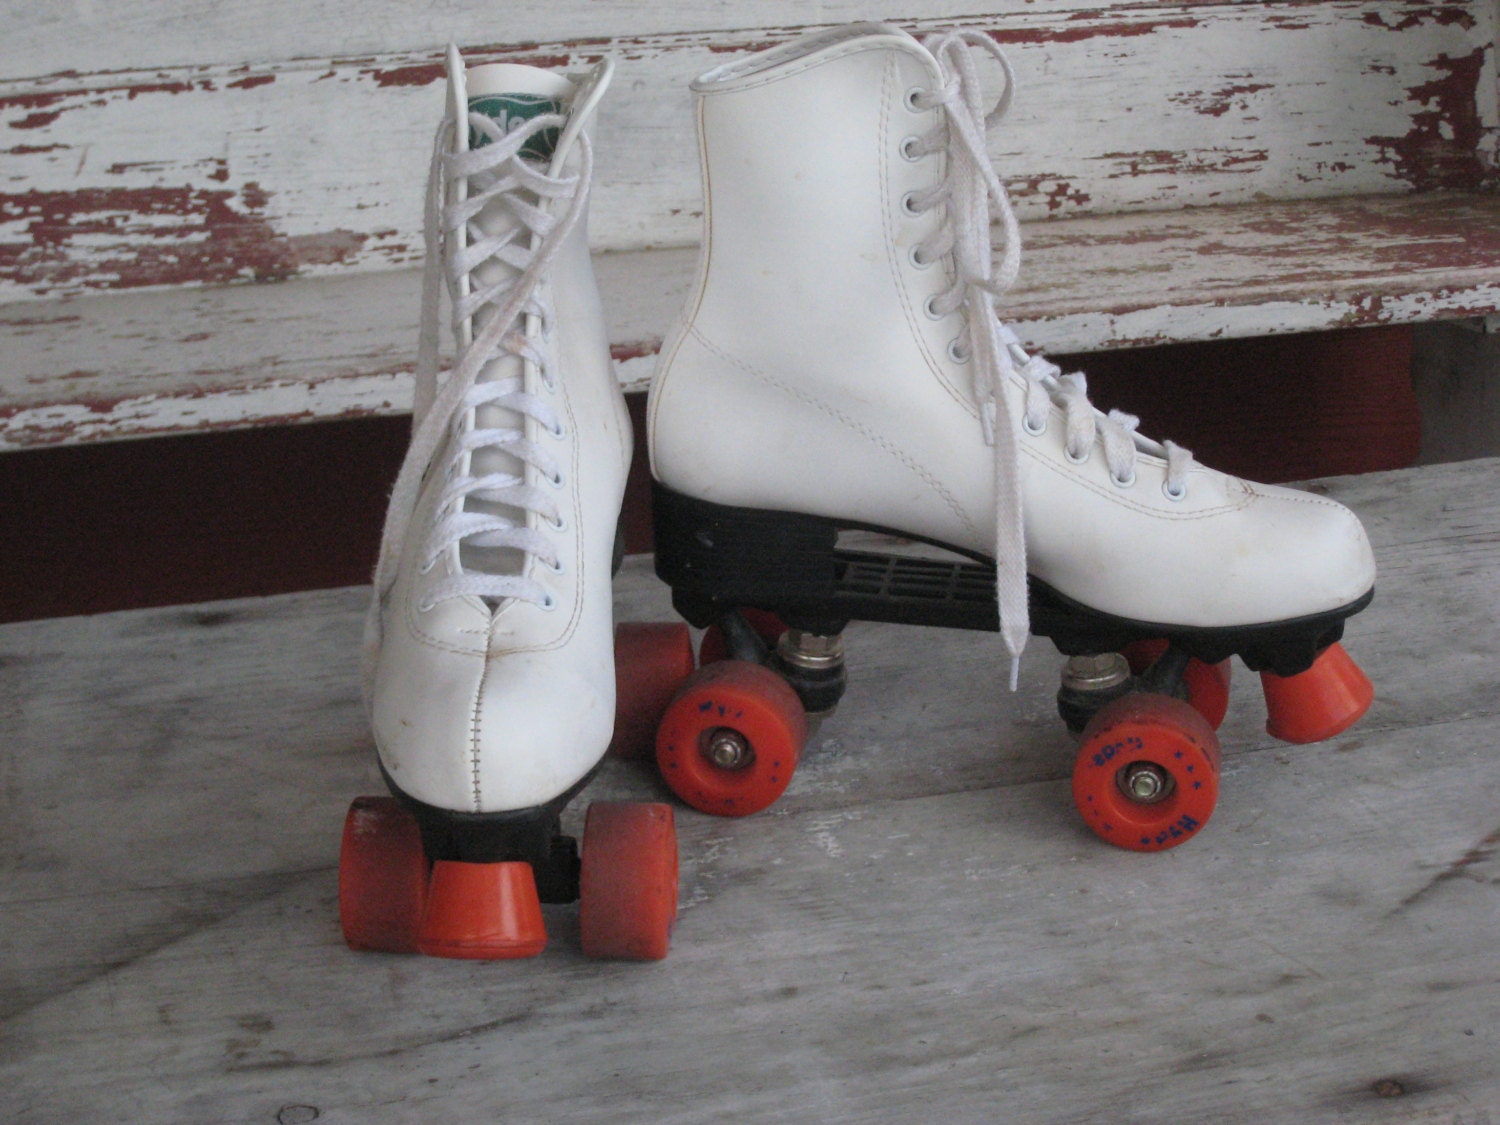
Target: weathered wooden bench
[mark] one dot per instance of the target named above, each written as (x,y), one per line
(211,217)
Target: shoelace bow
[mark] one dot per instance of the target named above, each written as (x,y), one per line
(973,194)
(445,405)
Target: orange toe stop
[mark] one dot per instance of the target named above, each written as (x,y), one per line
(1327,699)
(482,912)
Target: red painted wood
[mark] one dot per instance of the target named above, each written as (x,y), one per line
(1281,408)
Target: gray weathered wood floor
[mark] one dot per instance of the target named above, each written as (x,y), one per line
(921,930)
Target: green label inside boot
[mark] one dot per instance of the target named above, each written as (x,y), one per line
(509,111)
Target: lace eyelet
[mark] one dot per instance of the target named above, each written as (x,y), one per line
(1080,459)
(555,481)
(1122,482)
(1175,497)
(957,351)
(559,524)
(557,432)
(916,259)
(426,567)
(548,602)
(1034,431)
(911,149)
(555,567)
(909,205)
(913,97)
(426,607)
(930,308)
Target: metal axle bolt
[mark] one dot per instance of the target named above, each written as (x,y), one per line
(811,651)
(1145,782)
(1099,672)
(728,749)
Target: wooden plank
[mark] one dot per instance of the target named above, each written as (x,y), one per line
(96,37)
(954,958)
(264,169)
(223,357)
(131,365)
(920,931)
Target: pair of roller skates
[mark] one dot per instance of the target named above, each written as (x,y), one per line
(839,366)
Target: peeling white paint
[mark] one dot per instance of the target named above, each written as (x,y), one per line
(1192,105)
(1153,217)
(153,415)
(335,347)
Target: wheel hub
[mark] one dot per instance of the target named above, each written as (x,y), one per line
(728,749)
(1145,783)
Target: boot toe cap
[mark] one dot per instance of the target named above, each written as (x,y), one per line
(490,733)
(1312,553)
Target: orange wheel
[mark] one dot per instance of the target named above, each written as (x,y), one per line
(1147,773)
(651,662)
(382,877)
(1207,684)
(769,627)
(1326,700)
(627,894)
(730,740)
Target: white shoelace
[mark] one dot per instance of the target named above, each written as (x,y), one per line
(448,407)
(970,191)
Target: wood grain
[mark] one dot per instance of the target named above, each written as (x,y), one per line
(307,162)
(1187,172)
(138,364)
(921,930)
(95,36)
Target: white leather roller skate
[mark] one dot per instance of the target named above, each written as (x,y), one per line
(840,364)
(489,655)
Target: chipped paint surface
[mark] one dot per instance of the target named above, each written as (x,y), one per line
(271,403)
(1449,139)
(200,173)
(131,237)
(81,419)
(1147,150)
(159,362)
(129,181)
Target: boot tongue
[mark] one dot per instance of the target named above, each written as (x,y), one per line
(511,95)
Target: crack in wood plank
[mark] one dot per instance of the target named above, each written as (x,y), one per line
(1460,868)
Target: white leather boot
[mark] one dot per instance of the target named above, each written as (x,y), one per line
(489,647)
(840,364)
(493,682)
(840,358)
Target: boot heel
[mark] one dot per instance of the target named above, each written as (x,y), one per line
(716,557)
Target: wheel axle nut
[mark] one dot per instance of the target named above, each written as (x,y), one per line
(1097,673)
(814,652)
(1145,782)
(728,749)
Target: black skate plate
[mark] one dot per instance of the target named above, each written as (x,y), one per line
(719,558)
(530,835)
